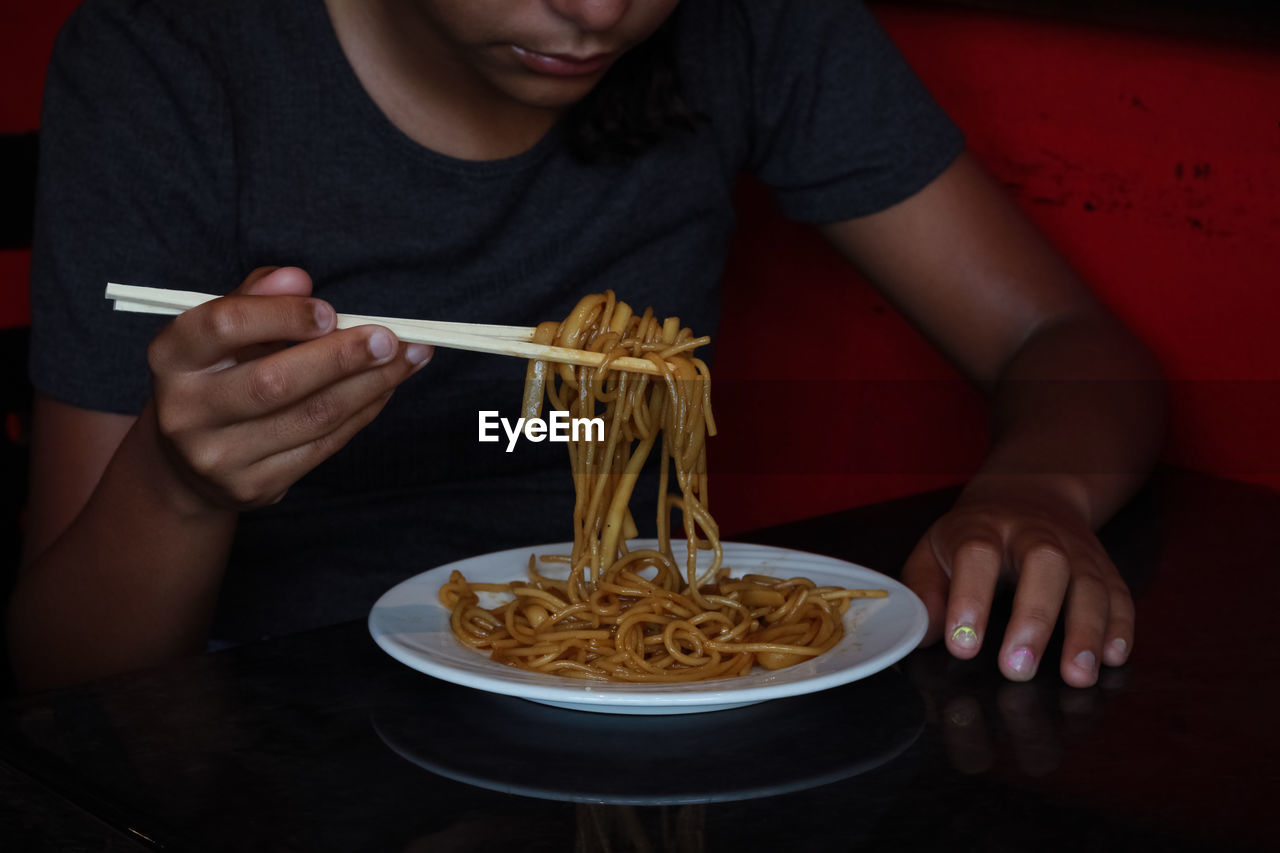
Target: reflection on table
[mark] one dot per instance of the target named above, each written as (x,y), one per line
(322,742)
(778,747)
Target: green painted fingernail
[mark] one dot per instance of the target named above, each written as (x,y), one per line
(965,637)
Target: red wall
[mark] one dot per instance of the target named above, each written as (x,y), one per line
(26,37)
(1152,161)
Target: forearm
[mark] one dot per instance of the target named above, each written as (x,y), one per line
(132,581)
(1078,419)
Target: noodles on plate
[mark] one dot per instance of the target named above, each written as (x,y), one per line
(634,615)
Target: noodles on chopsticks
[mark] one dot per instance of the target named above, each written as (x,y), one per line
(627,615)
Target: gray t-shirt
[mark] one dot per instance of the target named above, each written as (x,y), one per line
(186,142)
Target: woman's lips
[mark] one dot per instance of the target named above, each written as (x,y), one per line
(562,65)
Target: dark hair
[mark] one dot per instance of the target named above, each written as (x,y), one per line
(636,103)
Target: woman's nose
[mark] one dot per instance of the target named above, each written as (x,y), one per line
(591,15)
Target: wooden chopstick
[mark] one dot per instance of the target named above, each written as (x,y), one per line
(158,300)
(494,339)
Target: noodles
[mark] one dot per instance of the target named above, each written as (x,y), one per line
(628,615)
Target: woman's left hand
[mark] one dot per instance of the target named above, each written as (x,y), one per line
(1055,562)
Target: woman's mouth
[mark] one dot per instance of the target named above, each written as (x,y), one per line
(562,65)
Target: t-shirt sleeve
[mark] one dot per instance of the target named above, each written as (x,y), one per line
(840,124)
(134,186)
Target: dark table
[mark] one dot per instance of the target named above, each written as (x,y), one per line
(321,742)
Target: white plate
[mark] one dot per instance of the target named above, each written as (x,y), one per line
(409,623)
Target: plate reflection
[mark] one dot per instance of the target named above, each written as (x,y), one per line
(787,745)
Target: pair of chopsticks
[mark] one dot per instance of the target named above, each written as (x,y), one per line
(497,340)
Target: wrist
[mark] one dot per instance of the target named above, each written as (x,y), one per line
(170,488)
(1059,496)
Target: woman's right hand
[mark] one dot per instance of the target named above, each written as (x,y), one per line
(242,414)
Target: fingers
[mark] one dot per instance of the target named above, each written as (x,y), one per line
(286,378)
(266,480)
(1059,570)
(1099,625)
(1044,573)
(276,281)
(251,460)
(309,409)
(975,573)
(254,389)
(1120,625)
(954,570)
(1088,608)
(923,574)
(269,306)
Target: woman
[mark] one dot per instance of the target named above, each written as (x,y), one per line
(492,160)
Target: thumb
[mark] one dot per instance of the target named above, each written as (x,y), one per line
(276,281)
(924,576)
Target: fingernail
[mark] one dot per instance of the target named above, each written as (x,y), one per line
(418,354)
(380,345)
(965,637)
(1021,663)
(1086,661)
(324,316)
